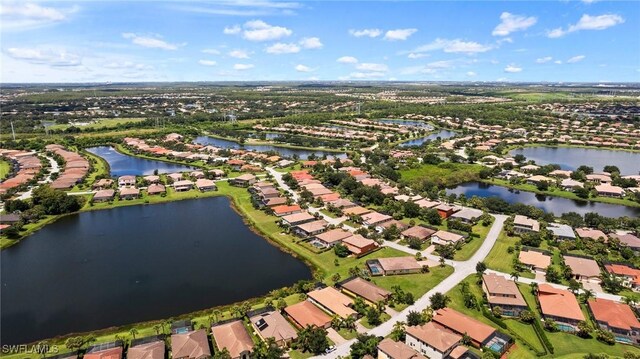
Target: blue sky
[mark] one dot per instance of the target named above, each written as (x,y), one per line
(99,41)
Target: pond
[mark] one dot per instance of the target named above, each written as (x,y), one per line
(283,151)
(570,158)
(121,164)
(443,134)
(113,267)
(555,205)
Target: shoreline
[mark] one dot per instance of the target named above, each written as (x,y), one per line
(562,145)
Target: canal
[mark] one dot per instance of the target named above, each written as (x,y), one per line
(570,158)
(113,267)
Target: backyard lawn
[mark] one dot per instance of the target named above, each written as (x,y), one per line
(5,167)
(500,259)
(469,249)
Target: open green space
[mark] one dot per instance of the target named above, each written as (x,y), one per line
(98,123)
(443,174)
(471,247)
(499,257)
(5,168)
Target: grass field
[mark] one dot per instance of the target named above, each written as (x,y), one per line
(444,174)
(5,167)
(500,259)
(467,251)
(99,123)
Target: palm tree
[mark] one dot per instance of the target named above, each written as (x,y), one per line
(157,328)
(534,288)
(133,332)
(587,294)
(515,276)
(336,322)
(427,313)
(349,323)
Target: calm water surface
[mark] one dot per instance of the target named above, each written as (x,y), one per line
(130,264)
(283,151)
(121,164)
(443,134)
(555,205)
(570,158)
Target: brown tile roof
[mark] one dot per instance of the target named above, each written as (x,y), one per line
(458,352)
(305,314)
(232,336)
(534,258)
(583,266)
(286,209)
(616,315)
(193,344)
(502,291)
(331,299)
(461,323)
(334,235)
(399,263)
(298,217)
(357,210)
(152,350)
(366,290)
(558,302)
(435,336)
(398,350)
(113,353)
(590,233)
(314,226)
(418,232)
(277,326)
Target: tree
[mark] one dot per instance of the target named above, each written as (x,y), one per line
(550,325)
(414,243)
(584,330)
(526,316)
(281,304)
(415,318)
(133,332)
(222,354)
(373,316)
(605,336)
(439,300)
(341,250)
(480,268)
(312,339)
(398,333)
(574,286)
(552,275)
(267,350)
(365,345)
(515,275)
(335,278)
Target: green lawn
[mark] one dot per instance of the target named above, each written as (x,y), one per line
(100,123)
(469,249)
(500,259)
(5,167)
(444,174)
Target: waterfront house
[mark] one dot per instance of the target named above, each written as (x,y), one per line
(103,183)
(152,179)
(607,190)
(534,260)
(599,178)
(205,185)
(561,306)
(535,180)
(394,265)
(126,181)
(217,173)
(560,173)
(197,174)
(285,210)
(146,348)
(333,302)
(182,186)
(523,224)
(156,188)
(444,237)
(590,233)
(233,337)
(617,318)
(275,201)
(418,232)
(467,215)
(583,268)
(272,324)
(359,245)
(190,345)
(305,314)
(175,177)
(481,335)
(389,349)
(297,218)
(432,340)
(627,239)
(244,180)
(330,238)
(561,231)
(568,184)
(369,292)
(529,168)
(129,193)
(503,293)
(236,164)
(309,229)
(104,195)
(112,350)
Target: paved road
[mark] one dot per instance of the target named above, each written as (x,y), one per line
(54,169)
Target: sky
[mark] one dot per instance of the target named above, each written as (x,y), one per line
(263,40)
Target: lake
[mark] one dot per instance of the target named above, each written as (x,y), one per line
(555,205)
(283,151)
(409,123)
(443,134)
(113,267)
(570,158)
(121,164)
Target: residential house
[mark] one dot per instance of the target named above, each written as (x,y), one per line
(523,224)
(481,335)
(607,190)
(244,180)
(129,193)
(205,185)
(190,345)
(156,188)
(569,184)
(617,318)
(174,177)
(358,287)
(152,179)
(535,180)
(182,186)
(583,268)
(401,226)
(389,349)
(359,245)
(561,231)
(502,292)
(297,218)
(333,302)
(467,215)
(534,260)
(599,178)
(630,276)
(305,314)
(627,239)
(444,210)
(111,350)
(374,218)
(275,201)
(355,211)
(331,238)
(233,337)
(104,195)
(394,265)
(126,181)
(418,232)
(432,340)
(146,348)
(285,210)
(103,183)
(444,237)
(273,325)
(309,229)
(561,306)
(590,233)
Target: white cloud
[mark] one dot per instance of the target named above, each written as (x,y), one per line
(366,32)
(512,69)
(242,67)
(50,57)
(16,16)
(453,46)
(233,30)
(239,54)
(575,59)
(283,48)
(153,42)
(258,30)
(512,23)
(416,56)
(588,22)
(311,43)
(207,63)
(399,34)
(303,68)
(558,62)
(242,8)
(347,60)
(371,67)
(471,74)
(211,51)
(543,60)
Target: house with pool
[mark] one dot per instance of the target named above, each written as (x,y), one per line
(617,318)
(561,306)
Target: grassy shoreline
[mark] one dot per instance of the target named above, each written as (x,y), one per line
(518,146)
